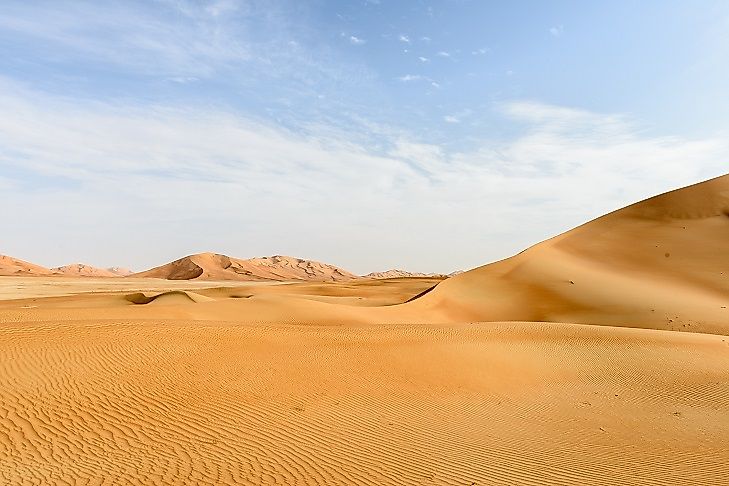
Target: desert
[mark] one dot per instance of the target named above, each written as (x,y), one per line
(594,357)
(364,243)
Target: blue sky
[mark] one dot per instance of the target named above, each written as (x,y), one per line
(425,135)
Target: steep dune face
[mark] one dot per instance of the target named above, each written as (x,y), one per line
(661,263)
(212,266)
(14,266)
(83,270)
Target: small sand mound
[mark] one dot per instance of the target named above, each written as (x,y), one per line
(170,297)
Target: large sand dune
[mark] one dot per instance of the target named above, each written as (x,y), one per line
(83,270)
(10,266)
(412,381)
(213,266)
(662,263)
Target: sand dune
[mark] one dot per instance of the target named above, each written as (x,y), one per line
(662,263)
(83,270)
(395,273)
(212,266)
(10,266)
(402,381)
(120,271)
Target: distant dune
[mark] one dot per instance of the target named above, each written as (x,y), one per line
(213,266)
(15,266)
(83,270)
(661,263)
(394,273)
(120,271)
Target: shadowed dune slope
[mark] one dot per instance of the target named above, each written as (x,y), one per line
(10,266)
(661,263)
(213,266)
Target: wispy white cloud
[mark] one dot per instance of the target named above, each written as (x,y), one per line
(234,184)
(404,38)
(458,116)
(117,34)
(481,51)
(556,31)
(443,54)
(411,77)
(423,59)
(233,42)
(184,79)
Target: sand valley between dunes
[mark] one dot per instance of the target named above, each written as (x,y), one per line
(600,356)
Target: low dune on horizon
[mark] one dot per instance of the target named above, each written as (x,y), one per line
(600,356)
(212,267)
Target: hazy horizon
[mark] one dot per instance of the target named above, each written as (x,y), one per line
(432,137)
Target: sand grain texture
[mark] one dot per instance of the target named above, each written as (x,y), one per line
(513,403)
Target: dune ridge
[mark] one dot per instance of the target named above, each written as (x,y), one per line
(10,266)
(395,273)
(213,266)
(83,270)
(660,263)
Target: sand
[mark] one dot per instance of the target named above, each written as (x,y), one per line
(214,266)
(83,270)
(591,358)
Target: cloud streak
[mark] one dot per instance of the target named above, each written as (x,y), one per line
(189,179)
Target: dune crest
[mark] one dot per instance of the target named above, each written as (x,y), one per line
(213,266)
(14,266)
(170,297)
(83,270)
(660,263)
(396,273)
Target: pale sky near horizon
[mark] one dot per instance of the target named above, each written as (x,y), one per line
(425,135)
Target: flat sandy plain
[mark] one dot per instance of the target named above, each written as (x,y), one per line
(591,358)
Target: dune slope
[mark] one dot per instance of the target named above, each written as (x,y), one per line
(213,266)
(83,270)
(661,263)
(395,273)
(10,266)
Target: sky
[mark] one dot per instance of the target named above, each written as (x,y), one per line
(429,136)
